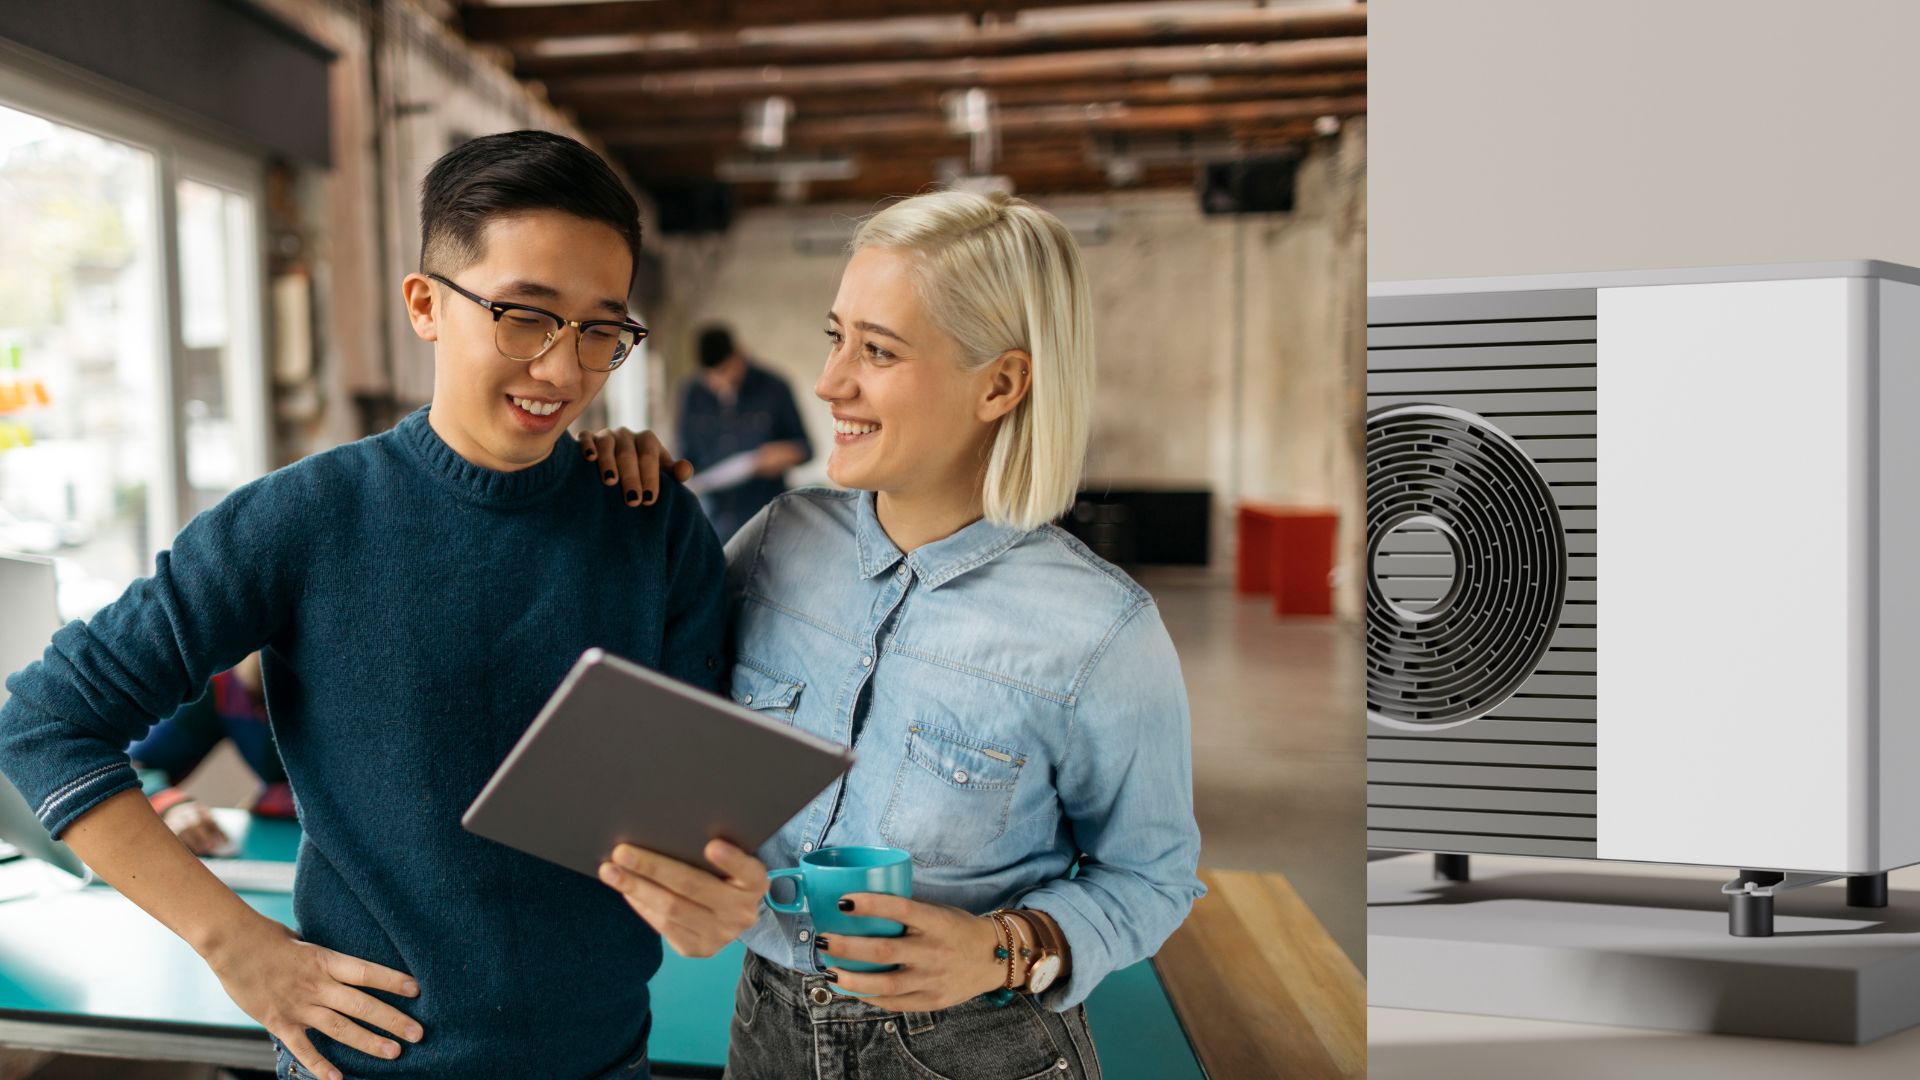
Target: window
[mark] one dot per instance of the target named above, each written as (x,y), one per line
(131,385)
(221,388)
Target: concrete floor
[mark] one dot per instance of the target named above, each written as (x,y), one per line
(1279,750)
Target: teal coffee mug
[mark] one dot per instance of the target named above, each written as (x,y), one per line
(826,875)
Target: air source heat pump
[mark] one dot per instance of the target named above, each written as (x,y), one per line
(1644,572)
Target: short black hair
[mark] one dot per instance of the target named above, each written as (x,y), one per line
(716,344)
(516,170)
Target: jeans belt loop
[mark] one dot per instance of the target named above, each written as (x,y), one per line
(919,1023)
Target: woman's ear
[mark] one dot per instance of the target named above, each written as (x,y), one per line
(417,291)
(1008,379)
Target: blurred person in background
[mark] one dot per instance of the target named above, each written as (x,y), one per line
(741,430)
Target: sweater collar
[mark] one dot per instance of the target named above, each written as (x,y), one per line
(478,483)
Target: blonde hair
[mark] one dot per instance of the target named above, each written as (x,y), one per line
(999,273)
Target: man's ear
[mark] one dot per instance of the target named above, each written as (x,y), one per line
(417,291)
(1008,379)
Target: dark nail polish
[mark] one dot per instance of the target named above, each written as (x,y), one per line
(652,496)
(831,977)
(846,905)
(607,475)
(633,496)
(821,941)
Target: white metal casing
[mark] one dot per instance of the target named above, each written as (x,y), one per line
(1758,616)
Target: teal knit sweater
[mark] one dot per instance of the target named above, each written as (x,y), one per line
(414,611)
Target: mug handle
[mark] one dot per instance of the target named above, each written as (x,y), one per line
(799,904)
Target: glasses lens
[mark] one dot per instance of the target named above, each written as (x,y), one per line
(524,335)
(603,346)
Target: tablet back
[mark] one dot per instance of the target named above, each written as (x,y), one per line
(624,754)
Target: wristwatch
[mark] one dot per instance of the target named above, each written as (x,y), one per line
(1045,957)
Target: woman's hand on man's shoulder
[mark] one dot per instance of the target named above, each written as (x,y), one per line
(631,463)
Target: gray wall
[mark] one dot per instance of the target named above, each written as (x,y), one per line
(1523,136)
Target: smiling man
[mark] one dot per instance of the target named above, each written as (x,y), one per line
(415,597)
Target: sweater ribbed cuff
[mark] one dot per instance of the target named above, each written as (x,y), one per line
(72,800)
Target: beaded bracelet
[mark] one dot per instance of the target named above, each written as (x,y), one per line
(1007,948)
(1003,996)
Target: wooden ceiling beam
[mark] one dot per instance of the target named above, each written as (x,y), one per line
(908,127)
(931,147)
(681,52)
(517,23)
(873,188)
(682,165)
(641,108)
(1019,159)
(1278,58)
(702,161)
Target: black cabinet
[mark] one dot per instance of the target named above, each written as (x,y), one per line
(1139,527)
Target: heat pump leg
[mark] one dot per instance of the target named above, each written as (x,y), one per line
(1451,868)
(1750,915)
(1867,890)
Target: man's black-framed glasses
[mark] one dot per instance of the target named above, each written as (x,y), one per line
(523,332)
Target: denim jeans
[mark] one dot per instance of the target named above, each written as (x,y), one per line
(788,1024)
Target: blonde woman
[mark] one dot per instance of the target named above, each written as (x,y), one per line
(1017,706)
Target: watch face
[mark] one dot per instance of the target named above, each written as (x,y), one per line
(1042,975)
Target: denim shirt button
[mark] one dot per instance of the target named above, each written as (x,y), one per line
(806,936)
(748,700)
(959,776)
(808,846)
(866,661)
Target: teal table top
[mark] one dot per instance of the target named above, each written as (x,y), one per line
(87,955)
(268,839)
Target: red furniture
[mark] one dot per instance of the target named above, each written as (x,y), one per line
(1289,552)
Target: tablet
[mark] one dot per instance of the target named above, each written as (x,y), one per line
(621,754)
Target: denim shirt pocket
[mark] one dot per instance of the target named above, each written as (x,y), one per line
(951,796)
(765,690)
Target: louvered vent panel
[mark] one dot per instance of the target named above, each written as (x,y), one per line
(1481,508)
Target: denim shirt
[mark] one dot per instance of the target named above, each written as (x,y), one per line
(1016,707)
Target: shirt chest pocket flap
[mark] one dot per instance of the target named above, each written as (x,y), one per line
(951,796)
(764,690)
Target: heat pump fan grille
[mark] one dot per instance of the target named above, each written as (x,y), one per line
(1446,488)
(1479,402)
